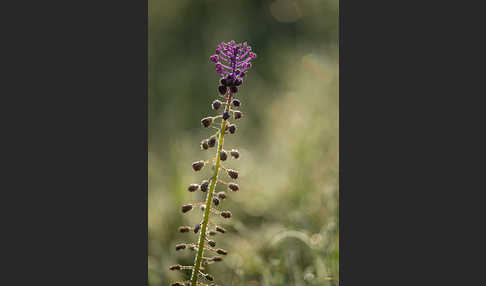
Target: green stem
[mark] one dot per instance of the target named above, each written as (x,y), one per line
(209,200)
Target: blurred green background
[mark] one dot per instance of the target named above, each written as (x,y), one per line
(284,229)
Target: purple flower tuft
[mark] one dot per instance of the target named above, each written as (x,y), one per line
(232,60)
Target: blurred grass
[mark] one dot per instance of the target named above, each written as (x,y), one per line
(285,225)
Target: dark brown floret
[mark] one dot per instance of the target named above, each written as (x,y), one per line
(186,208)
(217,259)
(197,227)
(204,186)
(226,214)
(184,229)
(233,174)
(223,155)
(226,115)
(212,232)
(216,104)
(236,102)
(209,277)
(220,229)
(232,128)
(180,246)
(193,187)
(233,89)
(215,201)
(198,165)
(175,267)
(205,144)
(222,89)
(234,187)
(212,141)
(221,251)
(206,122)
(222,195)
(235,154)
(237,114)
(212,243)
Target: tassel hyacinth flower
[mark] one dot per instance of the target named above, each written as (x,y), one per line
(233,62)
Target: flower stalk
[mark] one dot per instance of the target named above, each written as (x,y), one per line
(209,200)
(231,65)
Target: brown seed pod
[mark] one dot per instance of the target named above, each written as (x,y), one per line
(215,201)
(175,267)
(212,233)
(198,165)
(217,259)
(186,208)
(180,246)
(193,187)
(209,277)
(212,243)
(234,187)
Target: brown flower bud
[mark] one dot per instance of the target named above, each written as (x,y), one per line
(209,277)
(237,114)
(212,243)
(197,227)
(207,121)
(226,115)
(193,187)
(223,155)
(215,201)
(220,229)
(232,173)
(235,154)
(226,214)
(232,128)
(216,104)
(236,102)
(205,144)
(234,187)
(204,186)
(212,141)
(221,251)
(222,195)
(212,233)
(217,259)
(198,165)
(184,229)
(186,208)
(180,246)
(175,267)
